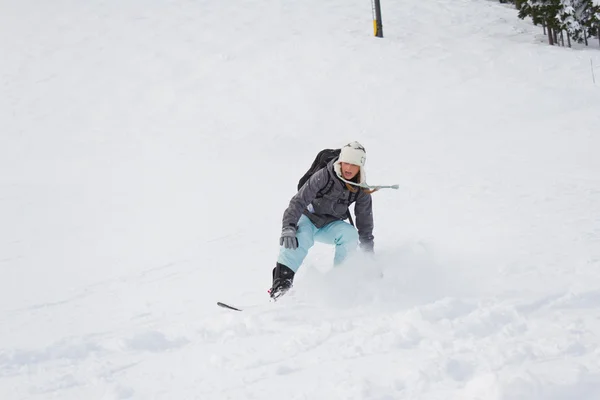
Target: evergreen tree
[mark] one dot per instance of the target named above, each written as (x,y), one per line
(591,18)
(580,19)
(544,12)
(570,19)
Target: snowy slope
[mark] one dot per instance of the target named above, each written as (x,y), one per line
(149,148)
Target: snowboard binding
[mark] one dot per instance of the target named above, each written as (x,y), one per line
(283,279)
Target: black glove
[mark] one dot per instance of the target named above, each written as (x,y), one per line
(288,238)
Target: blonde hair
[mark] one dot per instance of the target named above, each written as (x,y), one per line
(353,189)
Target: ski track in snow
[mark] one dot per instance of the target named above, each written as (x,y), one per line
(374,346)
(125,129)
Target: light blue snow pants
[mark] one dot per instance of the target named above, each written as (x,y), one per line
(340,233)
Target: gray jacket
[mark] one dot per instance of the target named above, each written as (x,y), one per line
(331,206)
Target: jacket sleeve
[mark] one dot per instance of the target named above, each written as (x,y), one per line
(363,209)
(304,197)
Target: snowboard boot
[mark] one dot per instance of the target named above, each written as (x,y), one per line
(283,277)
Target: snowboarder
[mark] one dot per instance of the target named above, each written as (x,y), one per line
(317,212)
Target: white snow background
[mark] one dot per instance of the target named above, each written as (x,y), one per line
(148,150)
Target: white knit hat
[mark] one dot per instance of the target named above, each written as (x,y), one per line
(352,153)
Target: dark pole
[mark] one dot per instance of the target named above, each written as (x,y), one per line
(378,24)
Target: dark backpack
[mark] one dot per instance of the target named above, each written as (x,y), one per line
(321,160)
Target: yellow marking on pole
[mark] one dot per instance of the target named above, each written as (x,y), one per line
(375,27)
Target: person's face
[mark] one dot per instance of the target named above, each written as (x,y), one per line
(349,171)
